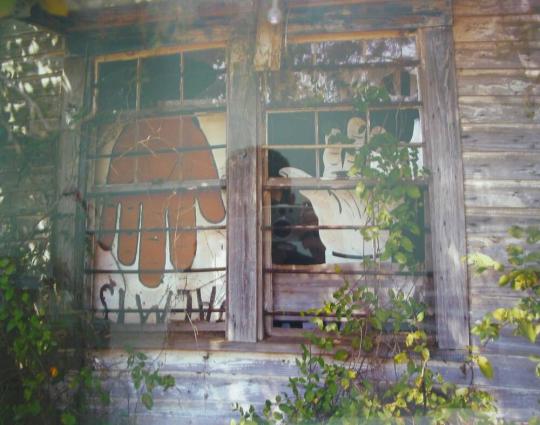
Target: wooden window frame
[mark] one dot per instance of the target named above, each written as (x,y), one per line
(180,107)
(245,134)
(437,81)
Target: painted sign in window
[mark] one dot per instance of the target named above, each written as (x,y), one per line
(159,219)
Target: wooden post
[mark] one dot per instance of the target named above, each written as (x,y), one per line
(269,41)
(242,195)
(446,199)
(65,259)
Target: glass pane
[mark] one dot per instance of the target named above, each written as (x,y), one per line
(142,235)
(390,49)
(291,129)
(340,53)
(160,79)
(339,128)
(299,55)
(161,149)
(294,128)
(312,207)
(402,123)
(149,292)
(354,52)
(204,75)
(292,163)
(304,229)
(292,245)
(319,87)
(117,85)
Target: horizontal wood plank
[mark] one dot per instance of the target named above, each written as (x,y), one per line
(502,165)
(498,55)
(500,109)
(502,194)
(474,82)
(492,245)
(520,28)
(368,16)
(495,7)
(300,292)
(482,138)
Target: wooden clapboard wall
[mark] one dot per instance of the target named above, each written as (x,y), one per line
(497,46)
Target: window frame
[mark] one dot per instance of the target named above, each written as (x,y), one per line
(244,243)
(180,107)
(317,271)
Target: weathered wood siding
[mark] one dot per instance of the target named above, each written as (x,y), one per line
(498,67)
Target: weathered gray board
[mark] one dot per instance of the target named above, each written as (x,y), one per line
(208,383)
(446,201)
(498,61)
(242,273)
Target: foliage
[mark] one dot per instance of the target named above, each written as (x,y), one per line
(35,374)
(522,275)
(146,377)
(338,383)
(391,192)
(41,378)
(358,335)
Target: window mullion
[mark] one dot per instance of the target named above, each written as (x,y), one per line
(242,254)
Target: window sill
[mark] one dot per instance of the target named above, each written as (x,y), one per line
(161,337)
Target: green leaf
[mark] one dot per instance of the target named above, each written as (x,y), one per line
(516,232)
(503,280)
(6,8)
(147,400)
(407,244)
(341,355)
(401,258)
(413,192)
(318,322)
(68,419)
(482,262)
(485,366)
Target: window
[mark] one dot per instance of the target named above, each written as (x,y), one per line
(156,178)
(312,216)
(170,144)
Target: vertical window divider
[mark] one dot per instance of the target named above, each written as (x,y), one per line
(317,142)
(138,86)
(181,77)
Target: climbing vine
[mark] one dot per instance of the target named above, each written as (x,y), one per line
(522,275)
(369,359)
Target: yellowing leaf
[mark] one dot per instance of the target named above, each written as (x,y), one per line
(485,366)
(528,330)
(55,7)
(401,358)
(499,314)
